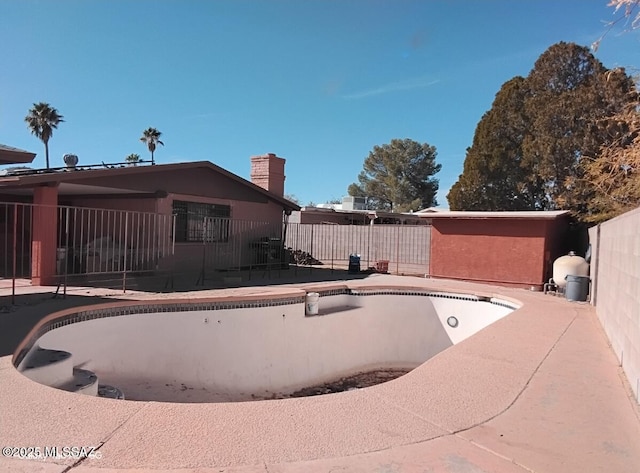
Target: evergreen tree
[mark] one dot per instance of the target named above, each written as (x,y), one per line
(529,149)
(494,177)
(570,93)
(398,177)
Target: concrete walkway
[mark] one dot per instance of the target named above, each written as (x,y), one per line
(537,391)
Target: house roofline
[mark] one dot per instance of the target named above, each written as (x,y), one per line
(79,174)
(449,214)
(11,155)
(483,215)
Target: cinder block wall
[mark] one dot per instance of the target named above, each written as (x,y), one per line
(616,288)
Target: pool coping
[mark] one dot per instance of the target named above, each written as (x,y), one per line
(481,382)
(123,308)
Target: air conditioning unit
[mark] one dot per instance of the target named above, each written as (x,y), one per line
(354,203)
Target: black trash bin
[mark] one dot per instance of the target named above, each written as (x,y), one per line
(354,264)
(577,289)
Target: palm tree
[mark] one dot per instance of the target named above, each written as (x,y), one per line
(151,137)
(133,159)
(42,120)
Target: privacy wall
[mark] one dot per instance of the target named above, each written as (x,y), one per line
(615,269)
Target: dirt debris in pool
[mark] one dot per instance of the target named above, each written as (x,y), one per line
(349,383)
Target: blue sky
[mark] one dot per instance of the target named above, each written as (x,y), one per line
(316,82)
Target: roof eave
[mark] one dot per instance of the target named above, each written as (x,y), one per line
(533,215)
(79,175)
(15,156)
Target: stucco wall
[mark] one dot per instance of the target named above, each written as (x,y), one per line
(269,212)
(135,205)
(616,288)
(250,222)
(503,251)
(240,210)
(152,231)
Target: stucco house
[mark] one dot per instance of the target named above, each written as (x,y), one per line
(199,199)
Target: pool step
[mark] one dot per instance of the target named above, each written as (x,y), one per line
(50,367)
(55,368)
(83,382)
(110,392)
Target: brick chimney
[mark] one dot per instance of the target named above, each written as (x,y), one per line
(267,171)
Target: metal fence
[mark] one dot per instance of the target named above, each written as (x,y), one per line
(15,240)
(233,245)
(94,241)
(89,241)
(404,249)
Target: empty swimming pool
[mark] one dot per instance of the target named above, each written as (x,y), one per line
(239,349)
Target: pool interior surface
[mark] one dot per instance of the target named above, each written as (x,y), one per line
(255,351)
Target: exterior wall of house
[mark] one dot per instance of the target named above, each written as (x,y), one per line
(136,228)
(106,227)
(270,212)
(240,210)
(94,218)
(251,221)
(130,204)
(499,250)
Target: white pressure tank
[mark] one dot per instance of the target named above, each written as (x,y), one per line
(570,264)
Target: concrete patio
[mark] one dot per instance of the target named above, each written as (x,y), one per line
(538,391)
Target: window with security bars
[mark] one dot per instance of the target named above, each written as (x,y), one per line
(197,222)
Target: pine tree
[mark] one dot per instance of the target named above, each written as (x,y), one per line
(398,177)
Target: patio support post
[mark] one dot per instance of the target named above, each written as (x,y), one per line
(43,241)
